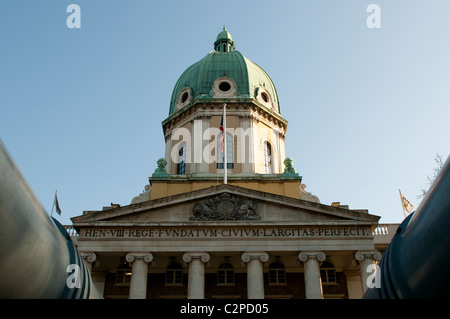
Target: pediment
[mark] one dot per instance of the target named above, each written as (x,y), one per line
(226,203)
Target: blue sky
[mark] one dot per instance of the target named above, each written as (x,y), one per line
(368,109)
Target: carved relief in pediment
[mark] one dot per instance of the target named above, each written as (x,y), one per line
(225,207)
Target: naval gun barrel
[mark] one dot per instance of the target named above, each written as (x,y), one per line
(415,263)
(38,259)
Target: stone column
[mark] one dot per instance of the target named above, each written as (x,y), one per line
(138,284)
(88,257)
(311,263)
(366,258)
(255,279)
(196,278)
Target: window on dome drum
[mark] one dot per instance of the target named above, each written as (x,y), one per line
(184,97)
(224,86)
(277,273)
(174,274)
(225,274)
(267,158)
(327,273)
(181,167)
(123,274)
(220,154)
(265,97)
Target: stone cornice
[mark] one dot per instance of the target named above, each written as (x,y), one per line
(200,110)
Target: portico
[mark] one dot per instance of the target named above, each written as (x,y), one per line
(151,236)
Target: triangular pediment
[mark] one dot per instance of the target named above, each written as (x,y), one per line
(226,203)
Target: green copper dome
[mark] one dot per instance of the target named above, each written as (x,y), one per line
(224,74)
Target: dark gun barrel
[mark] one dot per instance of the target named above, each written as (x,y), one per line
(38,259)
(415,264)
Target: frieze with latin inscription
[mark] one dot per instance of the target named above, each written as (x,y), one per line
(221,233)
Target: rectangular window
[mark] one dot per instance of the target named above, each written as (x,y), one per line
(229,165)
(328,275)
(220,155)
(174,277)
(123,276)
(181,168)
(267,158)
(225,277)
(277,276)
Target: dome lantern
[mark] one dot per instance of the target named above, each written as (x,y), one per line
(224,42)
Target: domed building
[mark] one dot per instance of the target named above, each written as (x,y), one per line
(225,215)
(256,130)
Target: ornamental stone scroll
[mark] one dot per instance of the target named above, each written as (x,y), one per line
(360,255)
(202,256)
(89,257)
(261,256)
(317,255)
(131,257)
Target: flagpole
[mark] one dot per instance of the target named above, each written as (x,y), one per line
(401,201)
(224,143)
(53,206)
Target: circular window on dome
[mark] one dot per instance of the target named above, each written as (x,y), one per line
(224,86)
(184,97)
(263,96)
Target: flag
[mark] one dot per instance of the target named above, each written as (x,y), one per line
(58,209)
(222,136)
(405,203)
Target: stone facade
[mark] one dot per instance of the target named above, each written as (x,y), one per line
(277,255)
(255,234)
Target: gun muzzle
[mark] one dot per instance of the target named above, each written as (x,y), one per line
(37,256)
(415,264)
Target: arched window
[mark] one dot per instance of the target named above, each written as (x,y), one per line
(327,273)
(225,274)
(277,273)
(174,273)
(123,273)
(268,169)
(181,167)
(220,153)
